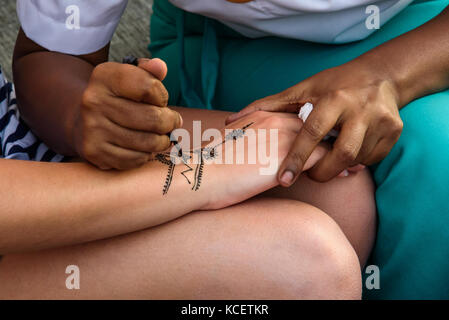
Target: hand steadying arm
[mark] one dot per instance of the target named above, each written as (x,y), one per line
(362,98)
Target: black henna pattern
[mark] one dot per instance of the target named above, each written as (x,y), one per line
(207,153)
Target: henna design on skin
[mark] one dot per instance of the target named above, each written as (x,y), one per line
(186,171)
(207,153)
(169,178)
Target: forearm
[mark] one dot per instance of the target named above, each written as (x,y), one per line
(416,62)
(51,205)
(49,88)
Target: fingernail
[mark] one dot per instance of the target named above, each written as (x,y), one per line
(345,173)
(181,121)
(287,177)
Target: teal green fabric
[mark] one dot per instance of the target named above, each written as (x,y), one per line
(211,66)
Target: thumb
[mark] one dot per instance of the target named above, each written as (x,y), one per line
(275,103)
(156,67)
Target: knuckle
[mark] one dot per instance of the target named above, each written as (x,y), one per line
(122,74)
(155,115)
(397,127)
(89,99)
(154,144)
(163,144)
(169,120)
(148,86)
(123,69)
(153,90)
(347,153)
(386,117)
(297,158)
(89,122)
(160,121)
(88,151)
(99,70)
(164,96)
(314,129)
(392,122)
(159,91)
(340,94)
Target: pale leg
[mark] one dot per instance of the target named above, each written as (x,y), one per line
(261,249)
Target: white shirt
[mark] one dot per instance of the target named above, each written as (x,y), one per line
(326,21)
(85,26)
(70,26)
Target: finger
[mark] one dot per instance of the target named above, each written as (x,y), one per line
(357,168)
(139,116)
(381,151)
(139,140)
(281,102)
(319,123)
(123,159)
(156,67)
(343,154)
(134,83)
(372,137)
(317,154)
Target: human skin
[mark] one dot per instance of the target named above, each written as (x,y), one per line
(68,205)
(356,215)
(362,99)
(110,114)
(52,114)
(262,249)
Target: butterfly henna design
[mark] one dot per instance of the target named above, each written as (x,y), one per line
(206,153)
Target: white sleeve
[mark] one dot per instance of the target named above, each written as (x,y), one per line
(70,26)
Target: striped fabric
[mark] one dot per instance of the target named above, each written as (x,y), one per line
(16,139)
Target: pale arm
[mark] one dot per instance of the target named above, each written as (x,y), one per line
(46,205)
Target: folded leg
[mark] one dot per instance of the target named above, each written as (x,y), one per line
(261,249)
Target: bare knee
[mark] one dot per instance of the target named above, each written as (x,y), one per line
(305,255)
(334,269)
(349,201)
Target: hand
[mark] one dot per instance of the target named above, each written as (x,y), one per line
(124,116)
(228,184)
(351,98)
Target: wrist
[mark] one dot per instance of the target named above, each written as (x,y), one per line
(382,72)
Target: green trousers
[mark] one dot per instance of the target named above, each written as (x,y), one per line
(211,66)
